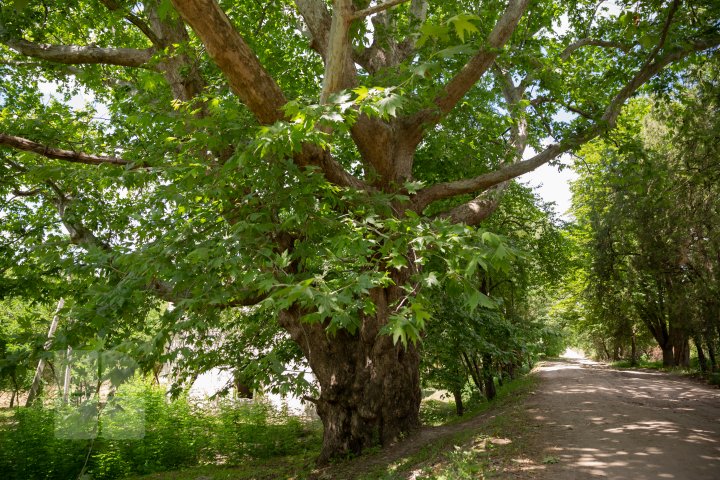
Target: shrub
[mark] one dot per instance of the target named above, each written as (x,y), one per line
(175,434)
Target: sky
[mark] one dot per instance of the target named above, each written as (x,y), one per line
(552,185)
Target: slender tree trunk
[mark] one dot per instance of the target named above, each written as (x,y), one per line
(459,407)
(711,353)
(369,387)
(701,355)
(605,349)
(15,392)
(35,387)
(511,370)
(633,351)
(479,375)
(488,378)
(474,374)
(67,376)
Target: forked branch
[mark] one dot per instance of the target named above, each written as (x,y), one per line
(318,20)
(229,50)
(468,76)
(594,42)
(338,50)
(114,6)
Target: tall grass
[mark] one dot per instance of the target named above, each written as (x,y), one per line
(173,434)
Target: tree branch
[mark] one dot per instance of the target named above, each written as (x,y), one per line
(385,51)
(482,206)
(250,81)
(74,55)
(338,50)
(26,145)
(608,120)
(229,50)
(376,9)
(570,49)
(468,76)
(26,193)
(318,20)
(114,6)
(479,208)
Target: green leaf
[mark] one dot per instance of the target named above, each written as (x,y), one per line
(431,31)
(388,106)
(463,25)
(476,298)
(431,279)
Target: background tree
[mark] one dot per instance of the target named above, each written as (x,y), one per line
(241,160)
(647,200)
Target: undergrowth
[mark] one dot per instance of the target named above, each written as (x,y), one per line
(232,441)
(175,434)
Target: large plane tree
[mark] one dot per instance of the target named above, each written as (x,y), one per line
(316,166)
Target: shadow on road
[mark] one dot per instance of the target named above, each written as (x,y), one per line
(625,424)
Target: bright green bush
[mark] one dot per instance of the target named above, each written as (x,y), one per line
(176,434)
(30,450)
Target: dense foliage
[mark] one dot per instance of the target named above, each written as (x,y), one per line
(469,349)
(647,209)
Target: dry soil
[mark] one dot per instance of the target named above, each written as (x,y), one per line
(593,421)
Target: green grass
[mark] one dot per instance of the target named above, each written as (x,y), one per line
(480,453)
(289,467)
(468,453)
(693,369)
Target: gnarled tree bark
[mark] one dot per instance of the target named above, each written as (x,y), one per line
(369,387)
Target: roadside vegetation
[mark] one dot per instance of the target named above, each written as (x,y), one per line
(233,440)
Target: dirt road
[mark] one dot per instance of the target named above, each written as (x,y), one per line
(596,422)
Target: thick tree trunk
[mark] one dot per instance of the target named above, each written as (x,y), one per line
(668,357)
(681,347)
(242,390)
(369,388)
